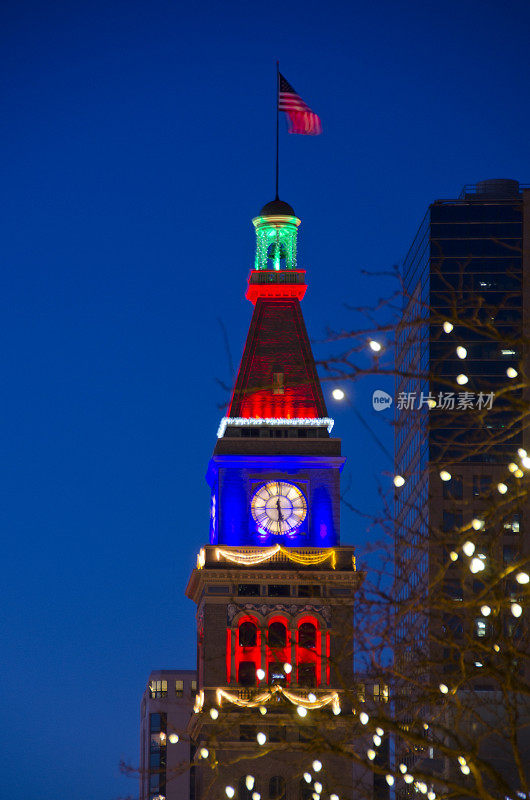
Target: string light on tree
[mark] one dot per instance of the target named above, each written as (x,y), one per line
(375,346)
(399,480)
(511,372)
(468,548)
(476,565)
(445,475)
(448,326)
(461,351)
(338,394)
(462,379)
(522,577)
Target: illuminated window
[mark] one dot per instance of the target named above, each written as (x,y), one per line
(179,688)
(193,687)
(158,688)
(381,692)
(481,628)
(247,673)
(513,524)
(248,634)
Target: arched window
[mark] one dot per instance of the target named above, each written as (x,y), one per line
(307,635)
(276,255)
(247,673)
(242,792)
(277,788)
(248,634)
(305,792)
(277,635)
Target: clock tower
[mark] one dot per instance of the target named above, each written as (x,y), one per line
(274,588)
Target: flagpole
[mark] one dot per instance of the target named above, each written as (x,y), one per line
(277,125)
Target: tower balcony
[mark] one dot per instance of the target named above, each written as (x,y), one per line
(252,558)
(272,283)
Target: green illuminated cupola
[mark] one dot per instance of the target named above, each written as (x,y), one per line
(275,272)
(276,231)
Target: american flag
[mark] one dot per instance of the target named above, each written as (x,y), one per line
(301,118)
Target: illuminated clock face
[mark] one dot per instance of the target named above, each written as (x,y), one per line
(278,507)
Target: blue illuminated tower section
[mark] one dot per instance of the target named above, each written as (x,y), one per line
(274,588)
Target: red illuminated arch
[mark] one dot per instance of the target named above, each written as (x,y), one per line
(308,650)
(276,653)
(245,653)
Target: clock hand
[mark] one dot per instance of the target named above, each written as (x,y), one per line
(278,506)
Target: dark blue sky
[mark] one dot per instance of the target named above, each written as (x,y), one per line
(136,144)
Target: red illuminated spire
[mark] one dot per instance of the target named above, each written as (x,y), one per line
(277,376)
